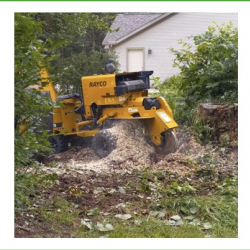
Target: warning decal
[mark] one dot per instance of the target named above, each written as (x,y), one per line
(165,117)
(131,110)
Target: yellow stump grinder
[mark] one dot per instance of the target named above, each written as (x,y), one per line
(104,100)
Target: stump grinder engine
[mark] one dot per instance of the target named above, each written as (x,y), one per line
(104,100)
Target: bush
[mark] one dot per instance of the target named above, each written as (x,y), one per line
(29,185)
(208,72)
(30,106)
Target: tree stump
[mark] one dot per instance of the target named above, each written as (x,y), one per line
(223,118)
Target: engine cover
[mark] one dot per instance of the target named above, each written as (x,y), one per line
(124,87)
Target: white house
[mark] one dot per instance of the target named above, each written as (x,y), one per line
(143,39)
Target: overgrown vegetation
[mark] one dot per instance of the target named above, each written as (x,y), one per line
(208,72)
(31,55)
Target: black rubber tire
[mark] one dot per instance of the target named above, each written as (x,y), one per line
(104,143)
(170,143)
(81,141)
(59,144)
(38,157)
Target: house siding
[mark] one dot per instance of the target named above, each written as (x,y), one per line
(164,35)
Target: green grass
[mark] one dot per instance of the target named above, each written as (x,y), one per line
(219,211)
(151,228)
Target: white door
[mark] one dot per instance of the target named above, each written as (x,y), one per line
(135,60)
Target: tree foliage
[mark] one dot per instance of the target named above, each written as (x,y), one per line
(72,68)
(68,26)
(208,70)
(81,52)
(30,106)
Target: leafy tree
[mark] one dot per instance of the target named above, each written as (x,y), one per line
(81,51)
(68,26)
(92,39)
(208,70)
(73,68)
(30,106)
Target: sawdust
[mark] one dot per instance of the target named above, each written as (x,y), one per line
(132,149)
(132,152)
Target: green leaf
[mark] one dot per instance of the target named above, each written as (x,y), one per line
(193,210)
(161,215)
(207,225)
(89,225)
(123,216)
(93,212)
(175,217)
(154,213)
(195,222)
(104,228)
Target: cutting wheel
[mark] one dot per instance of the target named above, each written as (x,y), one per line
(169,143)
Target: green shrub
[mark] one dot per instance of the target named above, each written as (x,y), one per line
(31,55)
(208,72)
(29,185)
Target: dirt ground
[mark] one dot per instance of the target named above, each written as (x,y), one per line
(91,182)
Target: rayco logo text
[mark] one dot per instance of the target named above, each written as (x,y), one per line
(98,84)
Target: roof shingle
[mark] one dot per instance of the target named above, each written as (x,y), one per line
(128,23)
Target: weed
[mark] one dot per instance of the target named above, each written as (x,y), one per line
(208,172)
(191,163)
(224,140)
(204,133)
(161,176)
(52,165)
(130,184)
(29,185)
(234,143)
(213,215)
(176,188)
(144,183)
(74,192)
(228,188)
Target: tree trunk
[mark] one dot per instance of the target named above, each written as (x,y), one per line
(223,118)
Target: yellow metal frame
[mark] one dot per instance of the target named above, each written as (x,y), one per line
(100,91)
